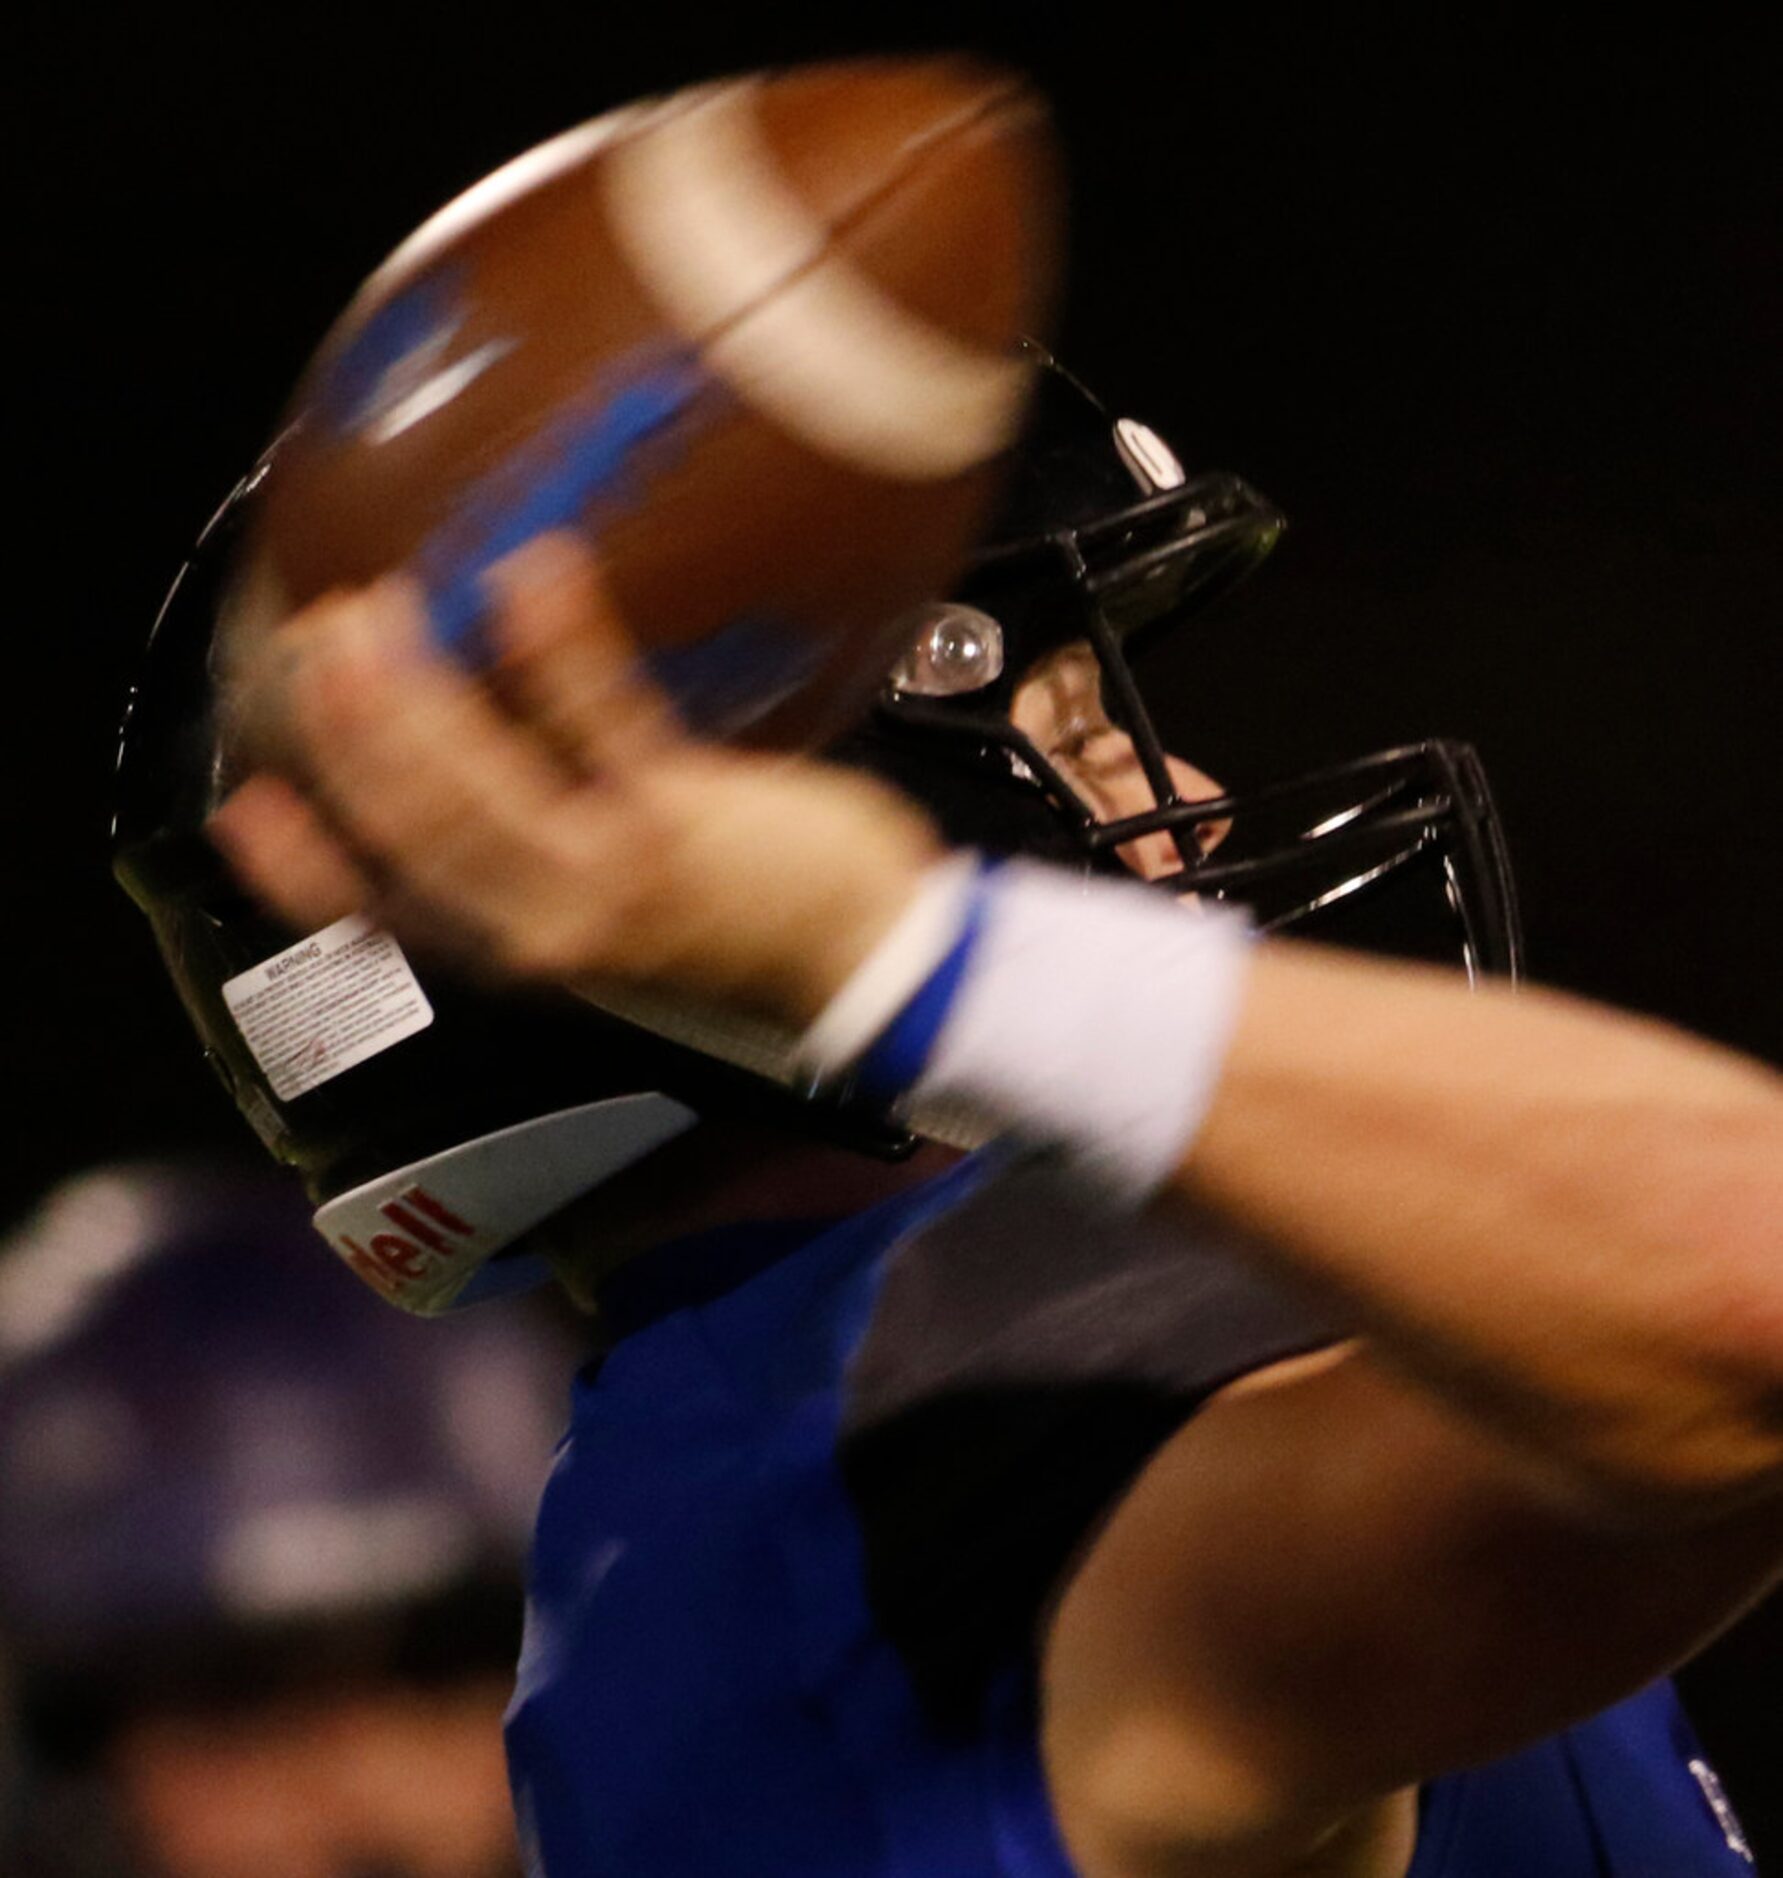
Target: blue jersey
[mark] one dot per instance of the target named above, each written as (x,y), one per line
(792,1560)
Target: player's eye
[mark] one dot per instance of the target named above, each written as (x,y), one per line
(954,649)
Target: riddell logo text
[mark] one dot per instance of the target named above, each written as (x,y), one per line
(426,1229)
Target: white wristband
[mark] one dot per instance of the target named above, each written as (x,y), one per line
(1092,1016)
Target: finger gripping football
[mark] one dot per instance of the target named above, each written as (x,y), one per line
(754,340)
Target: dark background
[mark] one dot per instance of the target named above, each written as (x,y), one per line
(1489,307)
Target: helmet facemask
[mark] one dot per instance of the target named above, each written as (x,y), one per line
(1399,851)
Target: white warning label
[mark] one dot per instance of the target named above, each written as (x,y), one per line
(326,1003)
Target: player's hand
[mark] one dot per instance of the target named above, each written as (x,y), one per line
(551,820)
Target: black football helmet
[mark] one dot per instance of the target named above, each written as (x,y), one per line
(484,1113)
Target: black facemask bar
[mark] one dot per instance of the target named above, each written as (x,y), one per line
(1334,853)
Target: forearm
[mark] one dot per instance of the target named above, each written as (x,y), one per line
(1565,1218)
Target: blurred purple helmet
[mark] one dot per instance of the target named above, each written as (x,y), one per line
(210,1437)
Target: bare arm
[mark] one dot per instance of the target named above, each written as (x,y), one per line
(1567,1219)
(1325,1591)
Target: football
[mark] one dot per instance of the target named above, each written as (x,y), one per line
(756,339)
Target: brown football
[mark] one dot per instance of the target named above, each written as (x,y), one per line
(756,339)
